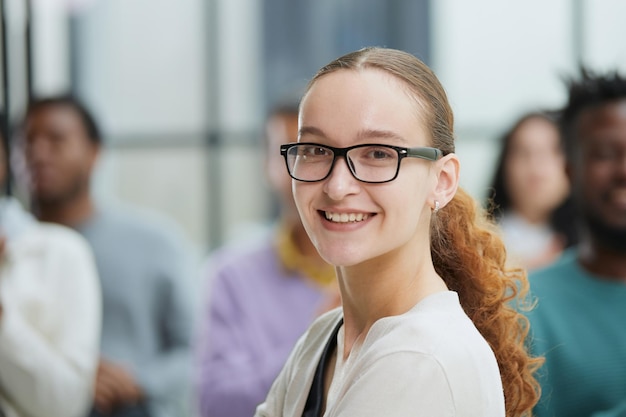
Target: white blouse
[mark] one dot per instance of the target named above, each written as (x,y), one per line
(430,361)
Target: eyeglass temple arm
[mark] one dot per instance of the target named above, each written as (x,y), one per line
(431,154)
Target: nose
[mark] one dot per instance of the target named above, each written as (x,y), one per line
(341,183)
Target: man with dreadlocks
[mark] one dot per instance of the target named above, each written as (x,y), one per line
(578,323)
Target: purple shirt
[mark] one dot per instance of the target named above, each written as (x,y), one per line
(254,313)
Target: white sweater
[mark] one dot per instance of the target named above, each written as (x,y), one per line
(50,324)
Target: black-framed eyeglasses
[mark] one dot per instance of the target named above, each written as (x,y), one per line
(370,162)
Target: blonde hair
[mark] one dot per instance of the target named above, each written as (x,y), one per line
(466,249)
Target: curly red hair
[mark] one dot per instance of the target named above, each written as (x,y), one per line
(470,256)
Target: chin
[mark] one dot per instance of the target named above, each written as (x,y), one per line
(611,234)
(341,256)
(46,197)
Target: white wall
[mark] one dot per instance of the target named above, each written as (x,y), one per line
(142,65)
(51,58)
(150,72)
(604,46)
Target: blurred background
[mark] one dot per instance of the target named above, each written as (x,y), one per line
(181,87)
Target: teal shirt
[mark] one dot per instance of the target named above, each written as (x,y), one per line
(579,325)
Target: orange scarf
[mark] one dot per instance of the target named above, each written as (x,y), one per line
(294,260)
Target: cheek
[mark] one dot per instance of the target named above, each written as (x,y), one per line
(596,174)
(405,207)
(72,161)
(553,165)
(558,176)
(509,176)
(300,193)
(590,183)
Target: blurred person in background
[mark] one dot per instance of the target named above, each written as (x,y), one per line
(261,297)
(578,322)
(528,187)
(50,312)
(144,368)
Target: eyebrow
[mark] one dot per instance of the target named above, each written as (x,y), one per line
(363,134)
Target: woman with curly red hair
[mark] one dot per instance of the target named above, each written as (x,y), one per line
(429,324)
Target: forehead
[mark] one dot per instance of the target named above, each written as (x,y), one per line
(347,100)
(535,124)
(53,115)
(604,122)
(533,131)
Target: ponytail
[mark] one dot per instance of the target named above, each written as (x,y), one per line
(470,256)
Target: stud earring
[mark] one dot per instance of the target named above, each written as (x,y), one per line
(436,209)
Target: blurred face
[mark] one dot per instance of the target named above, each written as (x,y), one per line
(599,171)
(535,169)
(59,155)
(281,129)
(367,221)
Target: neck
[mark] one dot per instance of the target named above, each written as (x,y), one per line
(382,288)
(606,263)
(533,216)
(69,213)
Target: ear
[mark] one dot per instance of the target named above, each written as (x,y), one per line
(447,172)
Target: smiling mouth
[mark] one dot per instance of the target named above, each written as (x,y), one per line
(345,217)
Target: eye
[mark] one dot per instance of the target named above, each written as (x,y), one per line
(379,153)
(602,153)
(320,151)
(314,151)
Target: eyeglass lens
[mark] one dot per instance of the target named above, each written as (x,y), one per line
(371,163)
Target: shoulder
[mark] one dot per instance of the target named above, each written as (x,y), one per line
(251,258)
(134,226)
(305,355)
(58,253)
(326,323)
(138,220)
(550,279)
(238,254)
(433,359)
(435,321)
(437,330)
(313,341)
(54,238)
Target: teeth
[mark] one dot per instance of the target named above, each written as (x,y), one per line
(345,217)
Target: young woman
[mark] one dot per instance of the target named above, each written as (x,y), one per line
(528,193)
(427,326)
